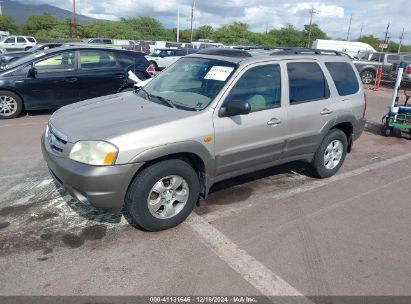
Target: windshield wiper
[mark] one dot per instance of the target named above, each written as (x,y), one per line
(165,101)
(147,93)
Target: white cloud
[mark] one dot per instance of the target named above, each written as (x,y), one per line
(333,16)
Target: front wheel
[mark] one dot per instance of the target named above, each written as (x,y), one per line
(163,195)
(367,77)
(11,105)
(330,155)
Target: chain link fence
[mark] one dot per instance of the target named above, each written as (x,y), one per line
(379,71)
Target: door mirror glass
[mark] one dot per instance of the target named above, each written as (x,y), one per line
(234,108)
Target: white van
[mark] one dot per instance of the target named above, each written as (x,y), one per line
(352,48)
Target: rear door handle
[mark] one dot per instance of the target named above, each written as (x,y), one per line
(119,75)
(274,122)
(326,112)
(71,79)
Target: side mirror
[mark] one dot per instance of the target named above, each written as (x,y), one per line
(32,72)
(234,108)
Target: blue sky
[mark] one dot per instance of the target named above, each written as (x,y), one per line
(333,15)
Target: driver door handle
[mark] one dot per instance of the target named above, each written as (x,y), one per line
(274,122)
(326,112)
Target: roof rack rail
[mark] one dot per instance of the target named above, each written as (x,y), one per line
(303,51)
(225,52)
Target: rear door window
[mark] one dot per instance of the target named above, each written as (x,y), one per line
(21,40)
(344,77)
(307,82)
(97,60)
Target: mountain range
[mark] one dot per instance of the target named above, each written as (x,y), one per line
(20,11)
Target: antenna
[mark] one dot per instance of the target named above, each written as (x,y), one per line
(312,11)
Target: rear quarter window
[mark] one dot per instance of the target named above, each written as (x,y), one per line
(31,39)
(344,77)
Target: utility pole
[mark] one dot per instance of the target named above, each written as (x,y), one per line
(401,40)
(387,38)
(362,26)
(74,31)
(178,24)
(349,29)
(192,18)
(312,11)
(1,10)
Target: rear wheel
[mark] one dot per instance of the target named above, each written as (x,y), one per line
(27,48)
(330,155)
(163,195)
(11,105)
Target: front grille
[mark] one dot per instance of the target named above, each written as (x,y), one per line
(56,139)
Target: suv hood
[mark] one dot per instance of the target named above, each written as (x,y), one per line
(110,116)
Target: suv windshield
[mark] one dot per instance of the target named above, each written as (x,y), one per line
(190,83)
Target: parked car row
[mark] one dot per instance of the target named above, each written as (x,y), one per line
(368,69)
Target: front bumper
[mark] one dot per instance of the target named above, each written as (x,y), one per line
(101,186)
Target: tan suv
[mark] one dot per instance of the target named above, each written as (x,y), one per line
(210,116)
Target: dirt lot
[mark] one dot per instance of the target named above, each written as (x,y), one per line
(275,232)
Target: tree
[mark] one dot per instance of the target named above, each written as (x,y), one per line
(288,36)
(7,24)
(316,33)
(371,40)
(235,33)
(38,23)
(204,32)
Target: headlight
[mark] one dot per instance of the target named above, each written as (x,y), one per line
(98,153)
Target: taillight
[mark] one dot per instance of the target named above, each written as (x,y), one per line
(365,105)
(151,70)
(408,70)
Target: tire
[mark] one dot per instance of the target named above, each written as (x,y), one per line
(11,105)
(27,48)
(384,128)
(155,65)
(367,77)
(162,176)
(334,142)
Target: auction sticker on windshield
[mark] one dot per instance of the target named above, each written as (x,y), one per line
(219,73)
